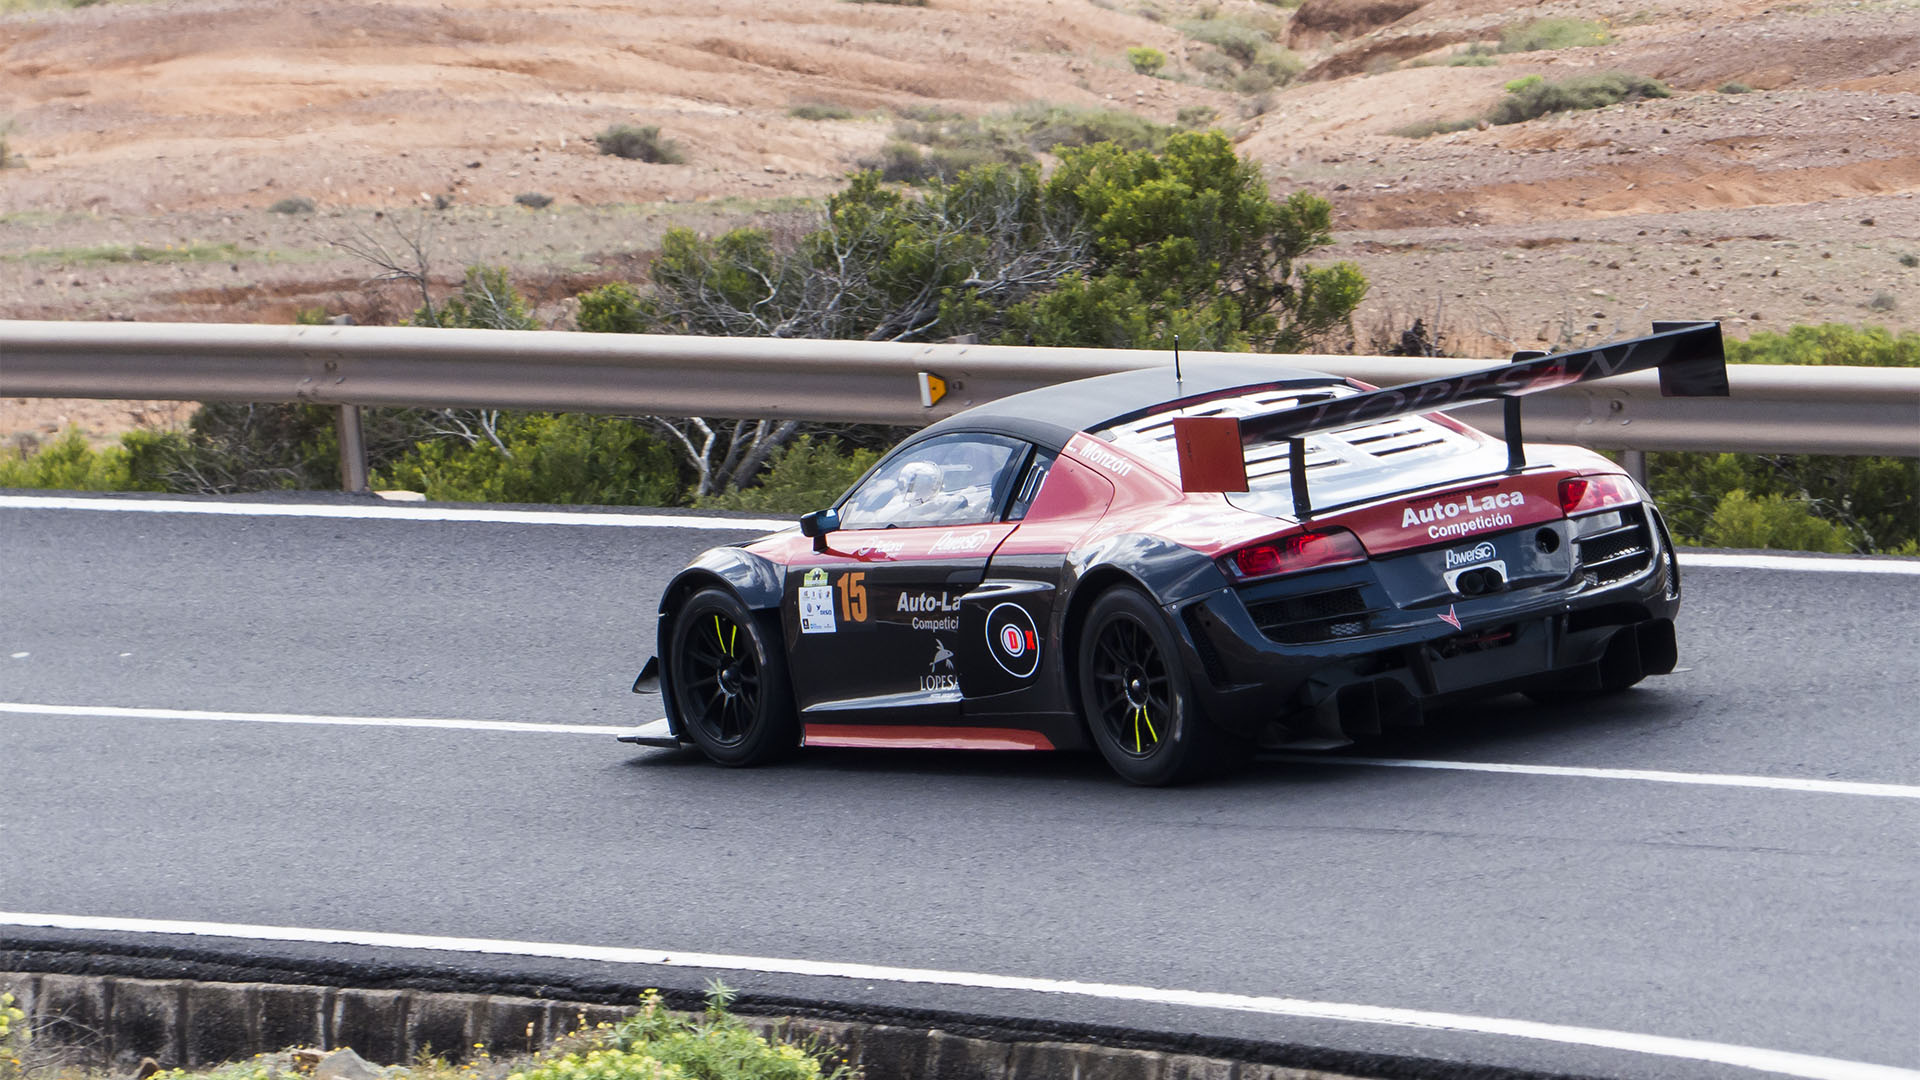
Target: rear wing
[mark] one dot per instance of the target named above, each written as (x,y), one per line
(1690,357)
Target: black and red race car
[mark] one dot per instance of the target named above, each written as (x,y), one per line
(1180,568)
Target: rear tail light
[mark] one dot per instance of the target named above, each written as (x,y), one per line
(1585,494)
(1294,553)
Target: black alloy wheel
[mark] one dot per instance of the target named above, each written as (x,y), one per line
(729,689)
(1134,695)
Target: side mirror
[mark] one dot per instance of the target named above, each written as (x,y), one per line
(818,524)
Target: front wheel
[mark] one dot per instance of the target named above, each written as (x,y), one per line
(730,687)
(1135,697)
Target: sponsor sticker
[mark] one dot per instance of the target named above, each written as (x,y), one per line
(1467,514)
(816,607)
(815,576)
(961,543)
(1013,640)
(1479,552)
(1091,451)
(1450,618)
(935,678)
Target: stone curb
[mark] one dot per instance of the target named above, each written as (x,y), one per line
(113,1022)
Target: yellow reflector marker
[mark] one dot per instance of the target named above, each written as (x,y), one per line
(932,389)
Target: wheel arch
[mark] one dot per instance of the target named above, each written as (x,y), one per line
(752,579)
(1166,572)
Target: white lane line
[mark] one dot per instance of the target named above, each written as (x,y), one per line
(1858,564)
(1746,1057)
(1777,783)
(1842,565)
(115,712)
(397,513)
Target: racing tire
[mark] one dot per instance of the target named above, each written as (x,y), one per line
(1135,698)
(730,690)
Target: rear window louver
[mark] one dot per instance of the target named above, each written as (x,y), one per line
(1359,448)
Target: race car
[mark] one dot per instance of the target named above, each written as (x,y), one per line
(1181,566)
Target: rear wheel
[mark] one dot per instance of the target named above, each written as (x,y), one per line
(1135,697)
(730,687)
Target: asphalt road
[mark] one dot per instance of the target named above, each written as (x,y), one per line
(1763,918)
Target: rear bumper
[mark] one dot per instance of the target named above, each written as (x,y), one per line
(1333,691)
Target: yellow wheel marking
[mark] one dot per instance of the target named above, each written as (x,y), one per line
(1152,734)
(733,640)
(720,636)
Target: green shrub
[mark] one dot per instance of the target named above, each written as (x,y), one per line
(1734,88)
(557,458)
(487,300)
(1555,33)
(1146,60)
(1829,343)
(1198,116)
(613,308)
(70,463)
(803,476)
(1420,129)
(6,150)
(1871,499)
(533,200)
(654,1044)
(1478,54)
(1232,37)
(820,110)
(639,144)
(1910,260)
(1882,301)
(1771,521)
(1048,128)
(1533,97)
(292,204)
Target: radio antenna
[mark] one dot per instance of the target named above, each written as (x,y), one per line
(1176,363)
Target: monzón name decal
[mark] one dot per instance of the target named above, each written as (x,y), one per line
(1013,640)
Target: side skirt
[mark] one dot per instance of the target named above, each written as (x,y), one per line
(923,738)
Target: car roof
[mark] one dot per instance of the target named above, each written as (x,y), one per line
(1051,415)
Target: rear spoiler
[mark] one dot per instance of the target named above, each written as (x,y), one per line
(1690,357)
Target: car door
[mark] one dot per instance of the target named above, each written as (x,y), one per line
(873,621)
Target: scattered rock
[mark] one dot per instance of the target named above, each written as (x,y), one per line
(344,1064)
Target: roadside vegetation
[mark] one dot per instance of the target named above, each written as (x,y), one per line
(652,1044)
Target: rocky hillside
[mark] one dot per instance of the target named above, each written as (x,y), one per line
(148,140)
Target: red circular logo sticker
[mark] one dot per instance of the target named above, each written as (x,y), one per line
(1012,640)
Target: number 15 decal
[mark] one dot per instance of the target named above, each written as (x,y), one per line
(853,596)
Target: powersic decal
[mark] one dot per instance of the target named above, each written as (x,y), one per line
(816,603)
(1013,640)
(1479,552)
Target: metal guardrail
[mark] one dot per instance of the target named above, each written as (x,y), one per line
(1775,409)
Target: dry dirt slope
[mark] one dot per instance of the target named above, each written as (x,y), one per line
(173,124)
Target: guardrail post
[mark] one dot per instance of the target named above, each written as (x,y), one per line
(1636,464)
(353,450)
